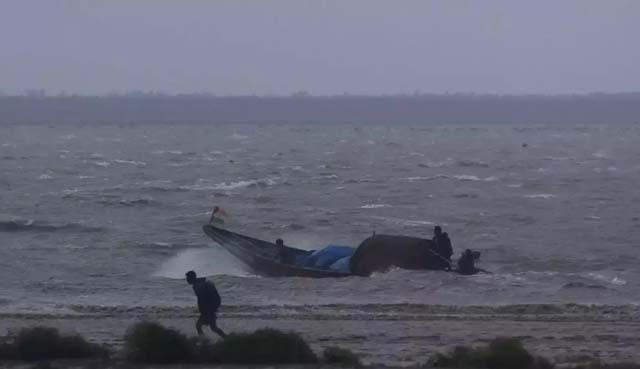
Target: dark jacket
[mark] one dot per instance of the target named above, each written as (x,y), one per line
(446,250)
(443,246)
(466,264)
(208,296)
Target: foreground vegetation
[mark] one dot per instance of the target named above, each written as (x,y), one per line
(45,343)
(501,353)
(152,343)
(148,342)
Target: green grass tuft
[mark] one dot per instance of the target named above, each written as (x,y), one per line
(45,343)
(501,353)
(264,346)
(148,342)
(340,356)
(507,353)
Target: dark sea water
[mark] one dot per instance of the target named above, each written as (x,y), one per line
(108,218)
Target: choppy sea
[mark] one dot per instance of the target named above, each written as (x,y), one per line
(107,218)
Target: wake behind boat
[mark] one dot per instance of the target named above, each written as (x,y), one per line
(376,253)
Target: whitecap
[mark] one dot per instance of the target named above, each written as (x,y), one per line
(600,154)
(559,158)
(435,164)
(161,152)
(68,137)
(45,176)
(375,206)
(615,280)
(405,222)
(132,162)
(413,179)
(540,196)
(69,192)
(102,163)
(229,186)
(237,136)
(468,177)
(326,176)
(515,185)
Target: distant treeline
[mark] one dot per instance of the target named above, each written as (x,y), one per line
(428,109)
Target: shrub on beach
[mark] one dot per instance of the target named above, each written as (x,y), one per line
(264,346)
(340,356)
(44,343)
(149,342)
(501,353)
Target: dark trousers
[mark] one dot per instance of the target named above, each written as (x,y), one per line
(210,320)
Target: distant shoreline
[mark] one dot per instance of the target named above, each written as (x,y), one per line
(597,108)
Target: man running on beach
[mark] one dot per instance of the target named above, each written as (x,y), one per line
(208,303)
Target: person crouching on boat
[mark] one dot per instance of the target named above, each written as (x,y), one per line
(466,263)
(208,303)
(283,257)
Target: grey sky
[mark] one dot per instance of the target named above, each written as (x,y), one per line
(325,47)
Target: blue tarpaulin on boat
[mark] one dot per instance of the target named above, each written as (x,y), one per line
(342,265)
(324,258)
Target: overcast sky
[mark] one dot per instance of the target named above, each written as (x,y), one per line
(324,47)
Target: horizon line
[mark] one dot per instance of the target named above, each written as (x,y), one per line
(42,93)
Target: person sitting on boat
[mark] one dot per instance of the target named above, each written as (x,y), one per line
(466,263)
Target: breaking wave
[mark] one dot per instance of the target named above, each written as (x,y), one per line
(540,196)
(143,201)
(229,186)
(374,206)
(30,225)
(459,177)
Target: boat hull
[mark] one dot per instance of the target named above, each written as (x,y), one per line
(262,256)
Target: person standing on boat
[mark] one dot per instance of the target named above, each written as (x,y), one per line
(208,303)
(445,248)
(442,248)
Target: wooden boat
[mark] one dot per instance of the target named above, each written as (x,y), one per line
(376,253)
(263,257)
